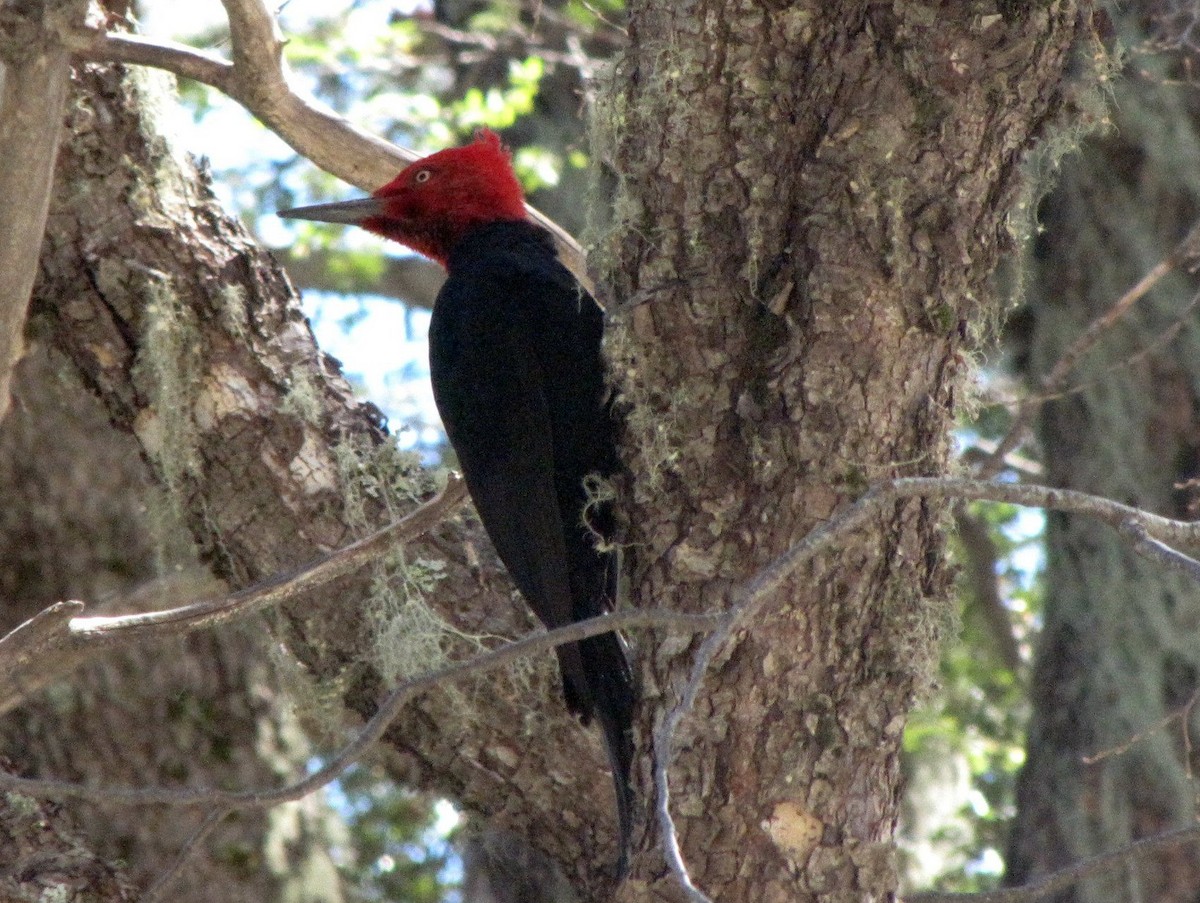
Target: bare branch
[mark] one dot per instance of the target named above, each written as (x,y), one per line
(278,589)
(1187,250)
(663,741)
(257,79)
(1183,715)
(1159,552)
(35,72)
(1054,882)
(154,893)
(57,640)
(257,53)
(374,729)
(183,61)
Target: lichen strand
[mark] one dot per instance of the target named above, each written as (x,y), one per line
(407,636)
(811,202)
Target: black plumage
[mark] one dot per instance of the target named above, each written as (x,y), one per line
(518,379)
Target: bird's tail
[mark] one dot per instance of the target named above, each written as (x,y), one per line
(610,682)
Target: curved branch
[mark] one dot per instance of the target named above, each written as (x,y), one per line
(374,729)
(179,59)
(257,79)
(1054,882)
(749,599)
(57,640)
(1185,252)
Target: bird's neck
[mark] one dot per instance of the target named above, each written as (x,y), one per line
(437,240)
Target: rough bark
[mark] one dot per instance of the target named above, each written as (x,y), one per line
(1116,655)
(813,199)
(82,519)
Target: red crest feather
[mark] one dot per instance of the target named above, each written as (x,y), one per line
(433,202)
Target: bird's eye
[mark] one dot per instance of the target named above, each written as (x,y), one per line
(422,176)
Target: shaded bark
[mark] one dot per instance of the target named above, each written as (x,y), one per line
(83,519)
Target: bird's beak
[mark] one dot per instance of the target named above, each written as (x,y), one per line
(350,212)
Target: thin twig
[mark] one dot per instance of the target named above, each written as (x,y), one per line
(1183,714)
(1159,552)
(1164,338)
(57,640)
(1045,886)
(277,589)
(154,893)
(1053,382)
(374,729)
(748,600)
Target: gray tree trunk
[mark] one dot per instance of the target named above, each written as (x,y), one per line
(1118,652)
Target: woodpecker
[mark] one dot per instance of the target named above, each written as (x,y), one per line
(518,379)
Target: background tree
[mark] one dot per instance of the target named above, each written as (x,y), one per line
(1115,677)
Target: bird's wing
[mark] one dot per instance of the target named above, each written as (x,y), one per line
(489,389)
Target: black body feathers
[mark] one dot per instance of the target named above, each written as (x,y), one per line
(519,381)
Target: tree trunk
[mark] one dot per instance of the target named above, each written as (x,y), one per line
(1116,655)
(813,200)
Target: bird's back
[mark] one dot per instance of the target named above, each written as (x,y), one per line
(518,378)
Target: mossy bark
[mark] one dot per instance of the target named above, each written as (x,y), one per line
(813,198)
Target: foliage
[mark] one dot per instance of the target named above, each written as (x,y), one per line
(396,854)
(967,744)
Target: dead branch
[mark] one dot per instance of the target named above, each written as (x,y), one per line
(1060,880)
(257,79)
(57,639)
(374,729)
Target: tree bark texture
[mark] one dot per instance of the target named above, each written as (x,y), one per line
(1117,653)
(83,519)
(813,198)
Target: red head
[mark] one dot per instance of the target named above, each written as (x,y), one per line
(436,200)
